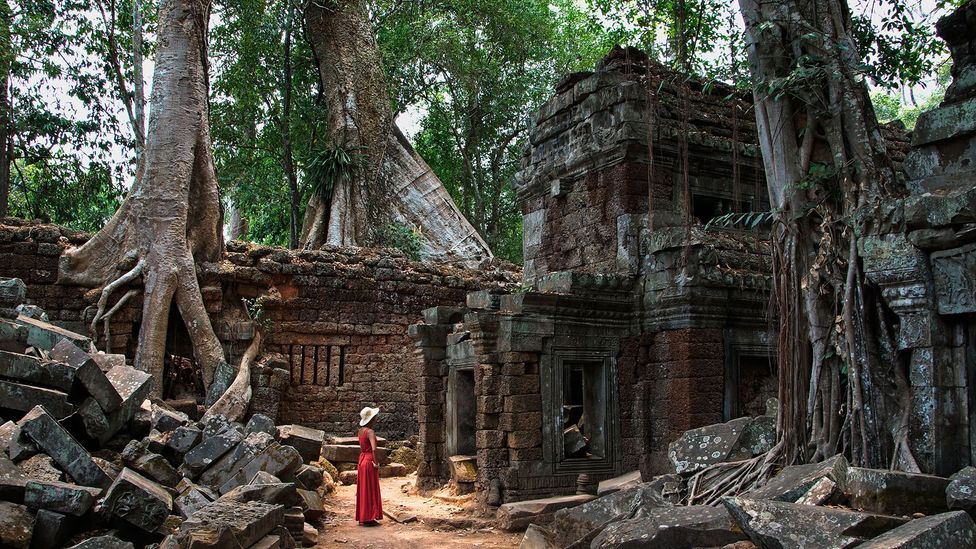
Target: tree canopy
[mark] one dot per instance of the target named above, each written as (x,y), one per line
(464,78)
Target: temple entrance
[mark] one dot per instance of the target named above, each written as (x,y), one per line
(461,410)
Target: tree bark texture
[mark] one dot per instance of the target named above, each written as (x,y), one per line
(172,216)
(6,139)
(841,382)
(393,183)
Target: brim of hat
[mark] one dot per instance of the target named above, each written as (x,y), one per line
(373,412)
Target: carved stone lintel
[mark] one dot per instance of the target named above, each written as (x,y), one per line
(954,273)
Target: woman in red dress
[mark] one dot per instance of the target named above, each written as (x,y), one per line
(369,507)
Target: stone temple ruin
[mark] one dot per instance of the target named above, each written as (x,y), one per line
(633,336)
(625,334)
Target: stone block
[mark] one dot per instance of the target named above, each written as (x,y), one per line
(58,443)
(13,292)
(211,449)
(895,492)
(16,526)
(310,476)
(271,491)
(191,500)
(961,491)
(260,423)
(673,527)
(52,529)
(519,514)
(349,453)
(393,470)
(794,481)
(13,481)
(311,504)
(104,542)
(536,537)
(700,448)
(306,440)
(88,374)
(954,529)
(348,478)
(182,441)
(150,464)
(781,524)
(45,336)
(224,375)
(21,397)
(164,420)
(133,386)
(138,500)
(276,459)
(225,467)
(230,524)
(60,497)
(36,371)
(524,439)
(586,521)
(464,468)
(616,484)
(107,361)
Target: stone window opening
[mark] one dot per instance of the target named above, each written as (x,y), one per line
(322,365)
(708,207)
(583,411)
(580,408)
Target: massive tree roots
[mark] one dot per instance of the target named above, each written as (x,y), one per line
(172,216)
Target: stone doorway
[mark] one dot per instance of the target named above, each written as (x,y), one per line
(750,381)
(461,411)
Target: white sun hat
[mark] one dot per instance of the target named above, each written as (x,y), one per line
(366,415)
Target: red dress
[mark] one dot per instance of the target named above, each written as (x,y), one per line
(368,504)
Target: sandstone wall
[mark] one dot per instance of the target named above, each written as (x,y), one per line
(337,317)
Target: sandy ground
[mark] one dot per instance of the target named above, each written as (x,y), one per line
(439,525)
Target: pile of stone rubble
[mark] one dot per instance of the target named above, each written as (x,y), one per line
(830,504)
(87,461)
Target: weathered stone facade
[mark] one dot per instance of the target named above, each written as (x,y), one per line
(336,320)
(925,263)
(625,333)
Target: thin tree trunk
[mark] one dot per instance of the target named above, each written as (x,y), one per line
(6,139)
(393,184)
(171,217)
(288,158)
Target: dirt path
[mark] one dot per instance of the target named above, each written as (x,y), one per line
(439,524)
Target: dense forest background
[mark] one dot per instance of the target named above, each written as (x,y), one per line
(464,77)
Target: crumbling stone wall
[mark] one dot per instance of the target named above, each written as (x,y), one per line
(336,319)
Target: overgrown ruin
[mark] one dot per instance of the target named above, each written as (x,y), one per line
(637,336)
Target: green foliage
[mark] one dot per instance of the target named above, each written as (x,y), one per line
(330,166)
(248,83)
(72,144)
(748,220)
(399,236)
(64,191)
(477,69)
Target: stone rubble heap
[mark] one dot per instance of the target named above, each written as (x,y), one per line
(88,462)
(821,505)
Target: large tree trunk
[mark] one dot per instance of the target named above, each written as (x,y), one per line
(171,217)
(829,317)
(393,184)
